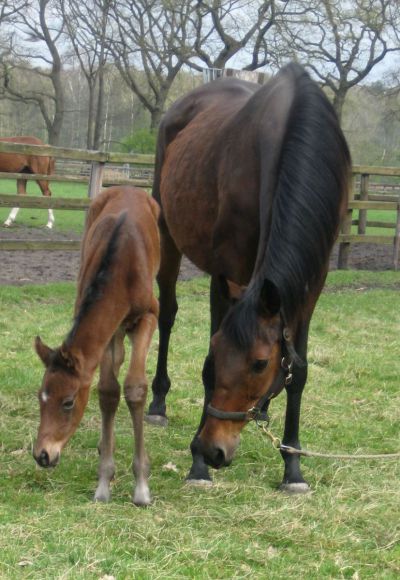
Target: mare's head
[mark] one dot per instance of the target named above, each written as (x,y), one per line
(62,397)
(246,356)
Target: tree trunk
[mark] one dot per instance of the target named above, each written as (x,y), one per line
(338,102)
(98,123)
(91,115)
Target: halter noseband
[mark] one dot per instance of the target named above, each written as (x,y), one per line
(259,411)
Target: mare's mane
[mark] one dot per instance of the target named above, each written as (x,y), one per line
(299,228)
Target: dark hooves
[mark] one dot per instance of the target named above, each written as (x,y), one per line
(158,420)
(295,488)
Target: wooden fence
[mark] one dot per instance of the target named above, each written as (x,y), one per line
(98,169)
(367,197)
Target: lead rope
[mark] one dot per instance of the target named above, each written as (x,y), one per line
(279,446)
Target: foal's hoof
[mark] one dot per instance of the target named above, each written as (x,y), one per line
(141,498)
(7,224)
(158,420)
(102,496)
(295,488)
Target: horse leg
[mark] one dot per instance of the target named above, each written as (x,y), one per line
(135,389)
(167,277)
(44,186)
(109,394)
(293,481)
(219,305)
(21,190)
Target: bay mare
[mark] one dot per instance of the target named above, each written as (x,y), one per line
(253,183)
(20,163)
(119,260)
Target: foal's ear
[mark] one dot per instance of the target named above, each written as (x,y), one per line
(44,352)
(269,301)
(230,290)
(67,357)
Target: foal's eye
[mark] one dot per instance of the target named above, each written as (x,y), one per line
(259,365)
(68,404)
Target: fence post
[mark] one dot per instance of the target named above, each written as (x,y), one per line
(344,247)
(96,178)
(396,250)
(362,213)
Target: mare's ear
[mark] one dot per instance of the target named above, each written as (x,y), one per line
(44,352)
(230,290)
(269,301)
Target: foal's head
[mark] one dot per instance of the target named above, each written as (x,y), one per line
(62,397)
(246,354)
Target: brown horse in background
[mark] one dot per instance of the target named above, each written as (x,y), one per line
(119,261)
(20,163)
(253,183)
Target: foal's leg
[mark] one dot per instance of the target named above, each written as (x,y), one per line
(109,394)
(135,389)
(21,190)
(293,481)
(219,305)
(167,276)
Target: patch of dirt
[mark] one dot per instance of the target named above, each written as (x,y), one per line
(41,267)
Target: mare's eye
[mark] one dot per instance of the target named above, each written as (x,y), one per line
(259,365)
(68,404)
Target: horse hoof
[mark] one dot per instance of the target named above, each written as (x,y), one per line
(7,224)
(49,226)
(158,420)
(199,482)
(102,497)
(141,498)
(295,488)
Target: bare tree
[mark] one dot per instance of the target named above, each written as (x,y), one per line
(86,26)
(339,41)
(150,44)
(225,28)
(36,53)
(9,10)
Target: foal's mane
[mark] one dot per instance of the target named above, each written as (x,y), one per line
(94,290)
(299,225)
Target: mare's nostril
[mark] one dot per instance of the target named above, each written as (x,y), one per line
(219,457)
(43,459)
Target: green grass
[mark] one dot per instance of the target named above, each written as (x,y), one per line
(242,527)
(375,216)
(65,221)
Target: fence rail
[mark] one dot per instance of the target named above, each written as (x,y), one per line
(97,169)
(362,200)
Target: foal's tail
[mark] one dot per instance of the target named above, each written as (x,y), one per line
(310,178)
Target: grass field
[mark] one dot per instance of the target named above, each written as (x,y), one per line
(242,527)
(66,221)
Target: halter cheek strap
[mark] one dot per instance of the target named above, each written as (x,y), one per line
(258,412)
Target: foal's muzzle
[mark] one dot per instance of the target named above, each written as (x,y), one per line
(44,460)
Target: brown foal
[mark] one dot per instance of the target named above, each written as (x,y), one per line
(119,261)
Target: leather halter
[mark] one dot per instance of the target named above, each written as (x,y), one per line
(259,411)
